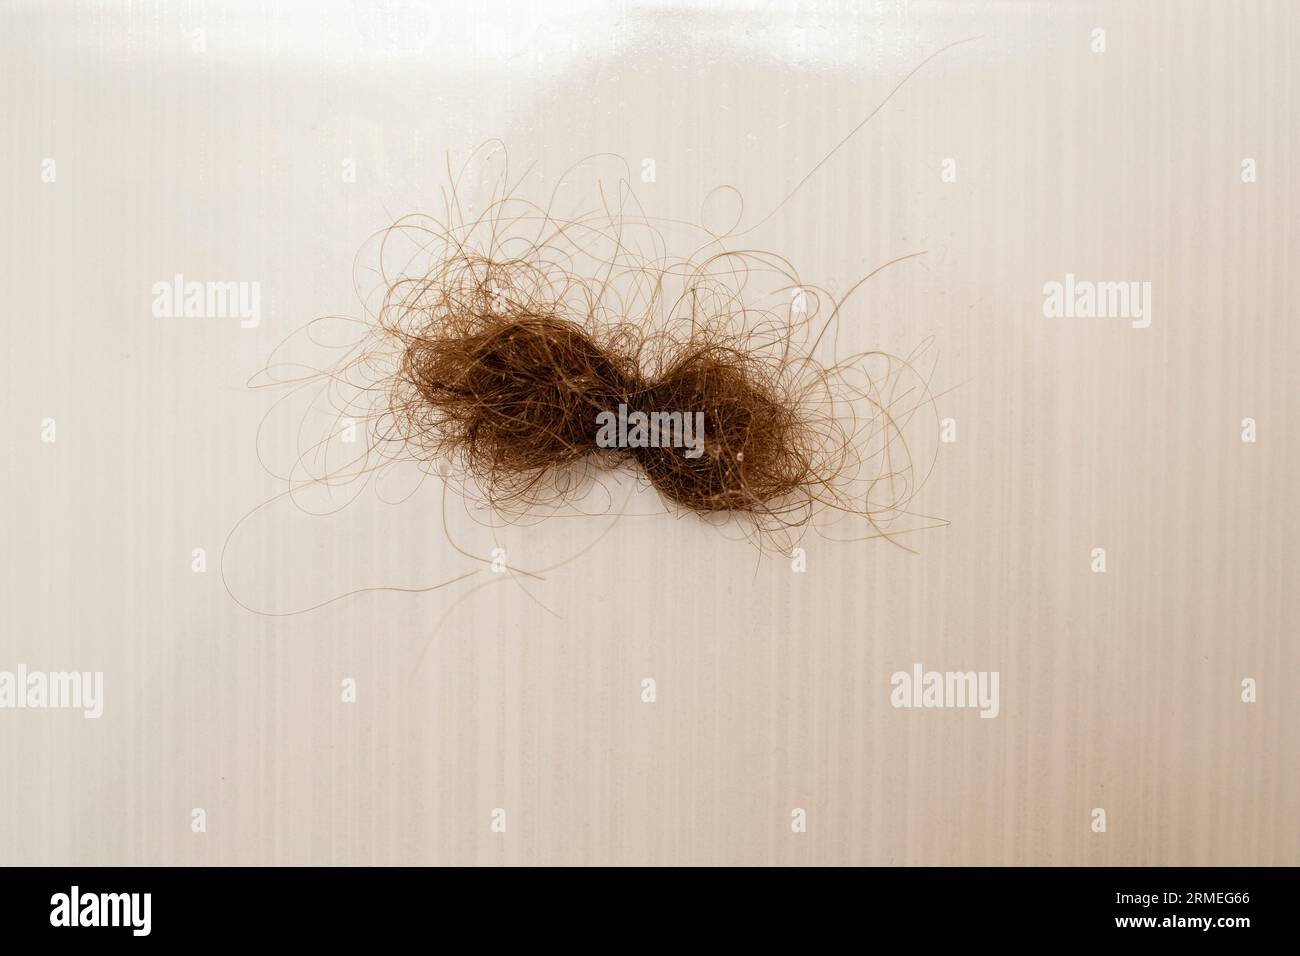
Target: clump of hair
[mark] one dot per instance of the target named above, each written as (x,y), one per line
(499,340)
(511,399)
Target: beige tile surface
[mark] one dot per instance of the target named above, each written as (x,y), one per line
(210,139)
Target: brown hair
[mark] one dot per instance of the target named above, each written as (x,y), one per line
(507,335)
